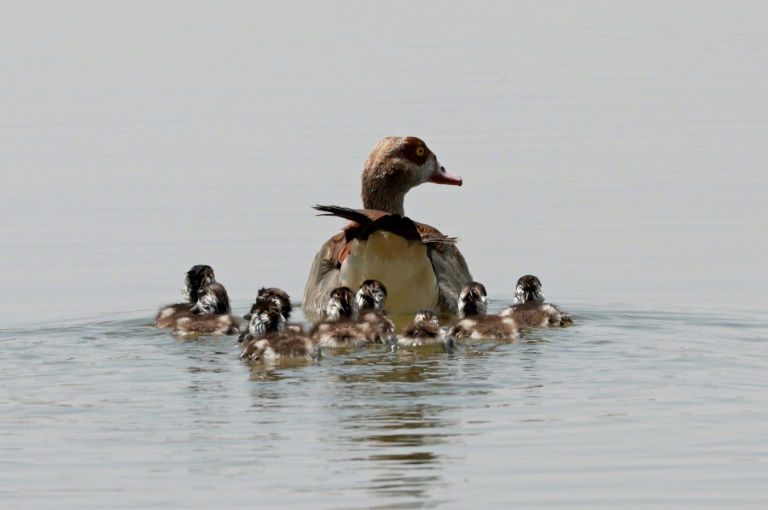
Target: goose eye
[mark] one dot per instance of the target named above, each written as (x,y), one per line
(420,151)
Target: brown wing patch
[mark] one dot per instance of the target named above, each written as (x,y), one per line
(339,247)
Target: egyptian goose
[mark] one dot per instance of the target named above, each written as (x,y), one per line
(268,296)
(285,345)
(420,267)
(474,323)
(371,316)
(265,317)
(371,295)
(210,315)
(277,296)
(530,310)
(276,343)
(341,305)
(195,278)
(341,326)
(424,330)
(473,300)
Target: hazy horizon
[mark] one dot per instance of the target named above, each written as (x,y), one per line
(615,150)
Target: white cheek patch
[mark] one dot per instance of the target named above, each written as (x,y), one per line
(519,295)
(256,326)
(333,310)
(359,300)
(428,168)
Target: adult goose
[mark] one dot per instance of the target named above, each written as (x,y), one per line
(420,267)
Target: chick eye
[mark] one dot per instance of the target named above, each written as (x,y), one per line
(420,151)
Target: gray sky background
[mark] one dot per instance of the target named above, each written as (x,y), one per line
(616,150)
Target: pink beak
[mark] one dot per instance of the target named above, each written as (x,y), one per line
(443,176)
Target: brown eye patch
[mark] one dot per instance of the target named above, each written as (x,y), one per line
(415,150)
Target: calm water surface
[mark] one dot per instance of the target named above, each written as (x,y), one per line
(629,407)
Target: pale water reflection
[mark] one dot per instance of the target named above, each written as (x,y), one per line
(628,407)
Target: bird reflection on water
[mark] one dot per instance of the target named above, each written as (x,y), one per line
(401,436)
(391,421)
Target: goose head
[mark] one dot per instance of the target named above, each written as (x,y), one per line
(198,276)
(212,299)
(265,317)
(340,304)
(528,289)
(371,296)
(396,165)
(473,300)
(428,316)
(278,297)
